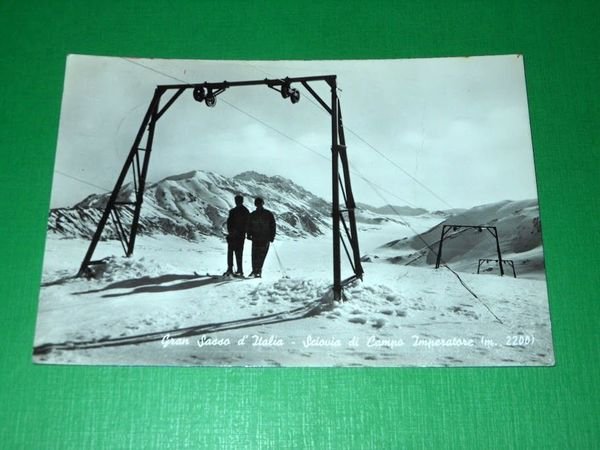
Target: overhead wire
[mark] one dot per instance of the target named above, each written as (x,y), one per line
(370,146)
(295,140)
(372,185)
(267,125)
(80,180)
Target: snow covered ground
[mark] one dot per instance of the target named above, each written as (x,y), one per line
(398,316)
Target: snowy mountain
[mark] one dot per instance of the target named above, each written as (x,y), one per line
(519,230)
(196,204)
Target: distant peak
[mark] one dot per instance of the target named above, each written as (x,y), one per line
(201,174)
(256,176)
(251,175)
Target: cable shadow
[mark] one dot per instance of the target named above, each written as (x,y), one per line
(310,309)
(142,281)
(172,287)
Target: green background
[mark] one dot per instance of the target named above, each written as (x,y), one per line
(107,407)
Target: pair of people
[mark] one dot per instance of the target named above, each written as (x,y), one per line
(258,226)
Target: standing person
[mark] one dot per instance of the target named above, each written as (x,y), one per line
(236,229)
(261,231)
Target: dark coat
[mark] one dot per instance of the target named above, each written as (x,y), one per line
(237,222)
(261,226)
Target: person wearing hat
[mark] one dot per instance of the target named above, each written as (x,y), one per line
(261,231)
(236,229)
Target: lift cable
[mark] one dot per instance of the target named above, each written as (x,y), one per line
(444,264)
(294,140)
(252,116)
(372,147)
(364,178)
(374,187)
(80,180)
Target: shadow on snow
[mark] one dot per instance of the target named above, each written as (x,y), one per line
(307,310)
(156,284)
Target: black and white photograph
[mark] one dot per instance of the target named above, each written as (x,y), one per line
(348,213)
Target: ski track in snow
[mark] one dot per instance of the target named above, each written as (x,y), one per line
(398,316)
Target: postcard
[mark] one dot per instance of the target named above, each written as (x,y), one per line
(359,213)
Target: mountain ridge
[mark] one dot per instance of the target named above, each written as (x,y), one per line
(196,204)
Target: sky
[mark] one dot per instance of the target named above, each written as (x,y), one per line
(433,133)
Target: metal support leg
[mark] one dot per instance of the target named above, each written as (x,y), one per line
(350,203)
(337,286)
(499,253)
(144,172)
(439,255)
(132,161)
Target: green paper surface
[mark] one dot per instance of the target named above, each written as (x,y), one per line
(111,407)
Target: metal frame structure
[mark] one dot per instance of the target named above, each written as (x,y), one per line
(492,230)
(138,160)
(510,262)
